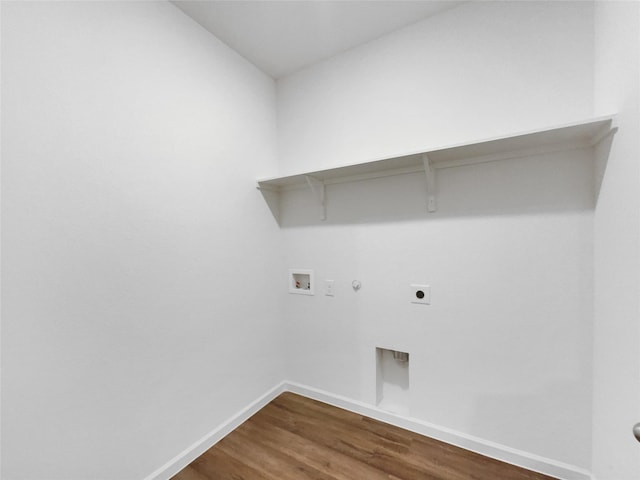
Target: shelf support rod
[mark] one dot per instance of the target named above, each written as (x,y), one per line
(318,190)
(431,183)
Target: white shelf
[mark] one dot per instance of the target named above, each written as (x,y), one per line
(584,134)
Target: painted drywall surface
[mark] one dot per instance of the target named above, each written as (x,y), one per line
(504,352)
(138,306)
(481,70)
(616,454)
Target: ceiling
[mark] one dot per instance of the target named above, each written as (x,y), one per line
(281,37)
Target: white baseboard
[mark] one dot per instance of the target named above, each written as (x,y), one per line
(187,456)
(487,448)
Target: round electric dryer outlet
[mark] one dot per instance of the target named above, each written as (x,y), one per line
(420,294)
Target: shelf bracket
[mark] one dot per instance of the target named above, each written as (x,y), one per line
(431,183)
(319,192)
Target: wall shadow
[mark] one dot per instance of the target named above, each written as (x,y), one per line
(547,183)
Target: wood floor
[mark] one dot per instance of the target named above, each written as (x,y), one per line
(295,438)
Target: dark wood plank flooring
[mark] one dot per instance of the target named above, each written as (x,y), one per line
(295,438)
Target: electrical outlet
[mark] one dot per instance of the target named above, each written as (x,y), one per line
(328,288)
(420,294)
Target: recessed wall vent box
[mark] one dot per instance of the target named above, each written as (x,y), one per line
(301,281)
(392,381)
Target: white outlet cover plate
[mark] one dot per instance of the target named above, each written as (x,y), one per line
(415,295)
(329,288)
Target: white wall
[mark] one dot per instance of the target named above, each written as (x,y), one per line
(504,352)
(616,454)
(125,140)
(139,307)
(474,72)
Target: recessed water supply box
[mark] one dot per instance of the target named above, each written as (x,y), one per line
(392,381)
(301,281)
